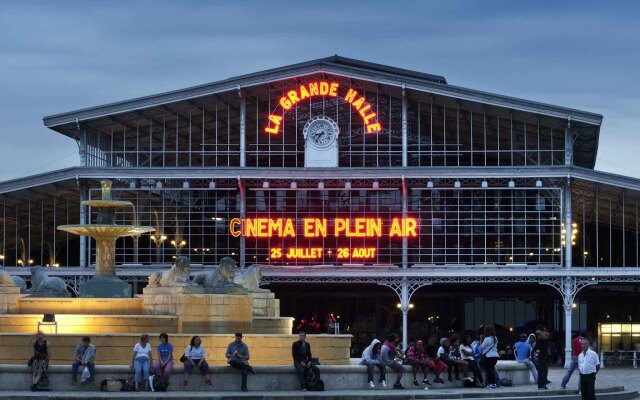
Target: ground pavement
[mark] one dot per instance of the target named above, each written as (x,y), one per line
(609,377)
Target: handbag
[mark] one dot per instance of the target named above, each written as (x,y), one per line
(183,357)
(30,362)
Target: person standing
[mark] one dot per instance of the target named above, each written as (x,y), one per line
(371,357)
(40,360)
(141,360)
(301,353)
(164,363)
(588,365)
(238,357)
(576,349)
(84,355)
(523,355)
(489,351)
(541,358)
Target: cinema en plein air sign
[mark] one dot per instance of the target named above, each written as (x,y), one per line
(321,228)
(329,89)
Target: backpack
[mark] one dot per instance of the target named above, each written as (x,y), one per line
(110,385)
(314,384)
(506,382)
(128,385)
(157,384)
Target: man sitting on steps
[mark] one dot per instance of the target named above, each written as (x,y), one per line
(85,355)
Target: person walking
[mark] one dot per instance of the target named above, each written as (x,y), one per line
(371,357)
(523,355)
(588,365)
(489,351)
(576,349)
(238,357)
(164,363)
(84,355)
(195,356)
(141,361)
(301,353)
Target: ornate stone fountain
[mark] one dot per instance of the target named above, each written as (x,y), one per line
(105,283)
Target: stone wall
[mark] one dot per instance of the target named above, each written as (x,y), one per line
(89,324)
(117,349)
(42,305)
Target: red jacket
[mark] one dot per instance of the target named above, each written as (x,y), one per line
(576,346)
(416,355)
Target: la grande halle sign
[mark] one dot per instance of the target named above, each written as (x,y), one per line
(325,88)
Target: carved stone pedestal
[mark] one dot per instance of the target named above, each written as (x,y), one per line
(265,304)
(198,312)
(105,286)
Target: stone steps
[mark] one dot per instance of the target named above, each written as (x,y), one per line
(615,393)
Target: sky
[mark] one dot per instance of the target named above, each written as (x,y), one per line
(66,55)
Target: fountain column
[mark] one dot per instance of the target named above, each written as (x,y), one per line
(105,283)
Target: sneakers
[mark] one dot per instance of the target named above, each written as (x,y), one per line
(468,379)
(371,385)
(415,383)
(439,380)
(398,386)
(383,384)
(426,382)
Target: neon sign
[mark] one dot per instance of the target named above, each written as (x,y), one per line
(323,88)
(319,227)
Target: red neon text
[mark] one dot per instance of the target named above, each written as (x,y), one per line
(319,227)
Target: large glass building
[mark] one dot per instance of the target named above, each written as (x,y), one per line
(344,179)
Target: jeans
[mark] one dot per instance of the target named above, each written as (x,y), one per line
(588,386)
(572,367)
(370,367)
(543,369)
(490,369)
(141,366)
(77,364)
(532,368)
(165,372)
(301,370)
(188,367)
(244,369)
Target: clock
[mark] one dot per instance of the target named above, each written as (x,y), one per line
(321,132)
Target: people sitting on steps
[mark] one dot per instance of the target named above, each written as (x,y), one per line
(84,355)
(195,356)
(238,357)
(303,360)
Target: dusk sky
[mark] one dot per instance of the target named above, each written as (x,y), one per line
(66,55)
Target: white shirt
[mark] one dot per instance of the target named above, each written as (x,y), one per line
(469,350)
(196,353)
(142,351)
(587,362)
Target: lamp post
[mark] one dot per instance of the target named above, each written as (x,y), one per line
(178,245)
(158,239)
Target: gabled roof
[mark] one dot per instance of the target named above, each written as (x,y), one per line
(334,65)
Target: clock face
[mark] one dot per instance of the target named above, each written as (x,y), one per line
(321,131)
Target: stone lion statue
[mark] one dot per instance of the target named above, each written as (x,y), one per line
(177,275)
(220,280)
(7,280)
(249,278)
(40,282)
